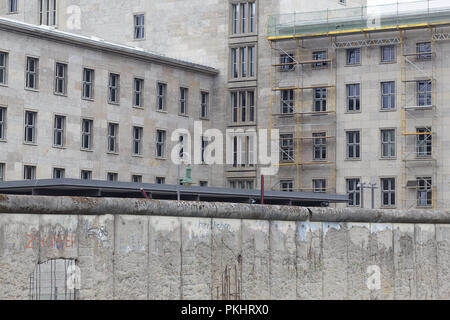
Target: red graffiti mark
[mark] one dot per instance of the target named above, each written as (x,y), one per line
(31,241)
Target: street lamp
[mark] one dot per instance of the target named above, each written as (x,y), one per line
(187,180)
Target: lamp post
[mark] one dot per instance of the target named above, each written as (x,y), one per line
(187,180)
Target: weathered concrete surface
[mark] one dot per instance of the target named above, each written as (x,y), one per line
(205,254)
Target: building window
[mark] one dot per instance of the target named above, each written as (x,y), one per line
(61,78)
(424,192)
(113,134)
(138,92)
(320,146)
(136,178)
(137,140)
(160,180)
(320,99)
(86,175)
(287,101)
(203,184)
(319,56)
(243,106)
(161,99)
(353,97)
(3,67)
(244,151)
(183,101)
(424,50)
(87,127)
(354,192)
(243,17)
(2,123)
(59,173)
(29,172)
(319,185)
(204,96)
(388,143)
(388,95)
(112,176)
(2,172)
(388,54)
(353,145)
(286,147)
(114,88)
(47,12)
(88,83)
(287,62)
(424,142)
(204,145)
(353,56)
(13,6)
(139,26)
(243,62)
(388,198)
(424,93)
(286,185)
(58,131)
(241,184)
(30,126)
(31,77)
(160,143)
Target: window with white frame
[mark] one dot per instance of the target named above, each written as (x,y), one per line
(88,83)
(388,95)
(353,144)
(87,128)
(354,56)
(244,150)
(353,97)
(183,101)
(138,133)
(29,172)
(204,98)
(243,106)
(387,53)
(61,78)
(2,123)
(114,88)
(161,96)
(354,192)
(139,26)
(243,17)
(320,99)
(59,131)
(31,73)
(13,6)
(30,127)
(424,192)
(319,185)
(47,12)
(113,134)
(138,92)
(424,93)
(243,62)
(424,142)
(59,173)
(286,185)
(160,143)
(319,146)
(3,67)
(286,147)
(388,193)
(287,101)
(388,148)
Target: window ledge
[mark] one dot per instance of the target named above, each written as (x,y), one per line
(59,147)
(3,85)
(30,143)
(114,103)
(88,99)
(86,150)
(161,158)
(162,111)
(138,108)
(112,153)
(388,110)
(137,155)
(60,94)
(31,89)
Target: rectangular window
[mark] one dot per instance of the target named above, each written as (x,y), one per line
(388,143)
(139,26)
(353,97)
(137,140)
(287,101)
(2,172)
(2,123)
(424,192)
(13,6)
(183,101)
(136,178)
(286,148)
(243,17)
(320,146)
(287,62)
(241,184)
(161,98)
(59,173)
(47,12)
(29,172)
(353,56)
(388,198)
(319,185)
(138,92)
(58,131)
(424,50)
(388,95)
(112,176)
(204,96)
(86,175)
(244,151)
(31,77)
(61,78)
(243,106)
(252,10)
(160,180)
(353,145)
(113,134)
(204,145)
(388,54)
(30,126)
(243,62)
(203,184)
(320,56)
(424,142)
(160,143)
(88,83)
(354,192)
(286,185)
(87,128)
(424,93)
(3,67)
(320,99)
(114,88)
(235,9)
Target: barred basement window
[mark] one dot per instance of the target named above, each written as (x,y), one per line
(32,73)
(57,279)
(47,12)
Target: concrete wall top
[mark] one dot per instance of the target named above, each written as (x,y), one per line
(101,206)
